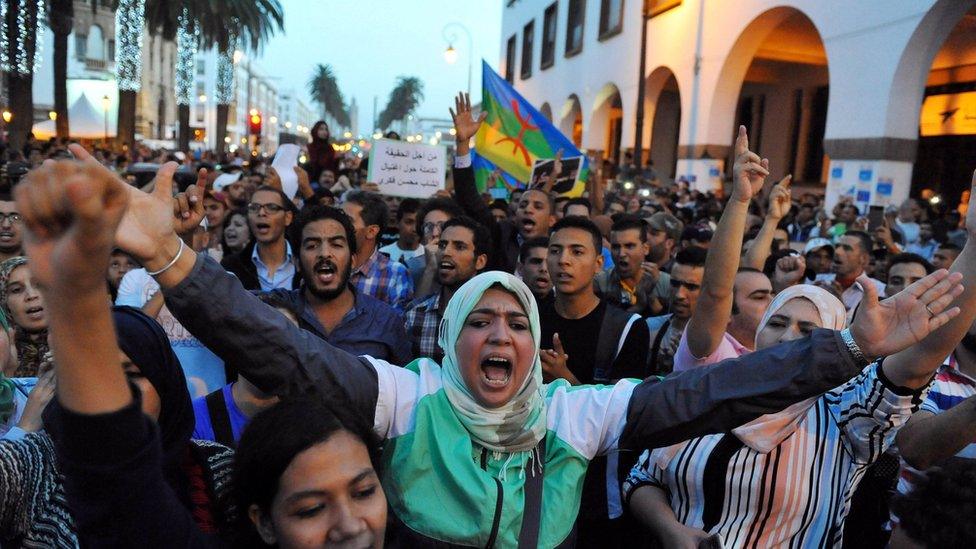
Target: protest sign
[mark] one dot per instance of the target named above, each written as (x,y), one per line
(285,160)
(566,179)
(407,169)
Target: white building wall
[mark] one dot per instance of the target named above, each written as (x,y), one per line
(879,53)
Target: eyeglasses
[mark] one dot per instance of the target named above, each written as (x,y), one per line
(11,217)
(676,284)
(429,226)
(254,208)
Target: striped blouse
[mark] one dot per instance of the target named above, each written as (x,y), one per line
(796,495)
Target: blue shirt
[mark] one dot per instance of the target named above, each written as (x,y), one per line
(282,277)
(371,327)
(203,430)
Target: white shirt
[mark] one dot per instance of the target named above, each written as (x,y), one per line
(852,296)
(399,255)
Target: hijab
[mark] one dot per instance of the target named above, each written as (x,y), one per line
(833,315)
(519,424)
(32,348)
(143,340)
(768,431)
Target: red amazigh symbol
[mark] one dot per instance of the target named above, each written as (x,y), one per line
(517,144)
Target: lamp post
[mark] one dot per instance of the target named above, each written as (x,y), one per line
(106,103)
(450,54)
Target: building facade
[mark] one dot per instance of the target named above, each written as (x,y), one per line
(91,73)
(874,99)
(254,91)
(296,119)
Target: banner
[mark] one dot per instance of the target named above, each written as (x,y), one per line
(407,169)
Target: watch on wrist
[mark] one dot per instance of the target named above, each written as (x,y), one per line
(853,348)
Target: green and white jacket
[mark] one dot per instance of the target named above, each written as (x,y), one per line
(445,490)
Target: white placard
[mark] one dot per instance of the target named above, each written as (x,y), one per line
(285,160)
(407,169)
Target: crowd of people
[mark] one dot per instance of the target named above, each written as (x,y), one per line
(203,360)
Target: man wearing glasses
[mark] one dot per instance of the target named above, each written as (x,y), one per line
(267,263)
(666,330)
(11,229)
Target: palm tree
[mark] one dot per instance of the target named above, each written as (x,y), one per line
(19,59)
(404,98)
(60,17)
(219,23)
(324,89)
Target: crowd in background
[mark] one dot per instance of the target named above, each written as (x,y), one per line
(698,360)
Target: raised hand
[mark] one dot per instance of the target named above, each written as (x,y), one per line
(71,210)
(885,328)
(780,199)
(789,271)
(147,230)
(304,186)
(749,171)
(272,179)
(465,125)
(554,362)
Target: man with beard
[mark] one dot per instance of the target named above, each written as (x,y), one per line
(11,228)
(663,235)
(462,252)
(330,307)
(535,211)
(534,270)
(267,263)
(635,285)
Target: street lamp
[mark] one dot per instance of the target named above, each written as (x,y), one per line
(450,54)
(106,102)
(7,116)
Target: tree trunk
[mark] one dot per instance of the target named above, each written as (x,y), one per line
(126,134)
(183,135)
(223,111)
(22,106)
(61,18)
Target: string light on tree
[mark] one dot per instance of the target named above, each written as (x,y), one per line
(27,40)
(187,35)
(129,20)
(224,87)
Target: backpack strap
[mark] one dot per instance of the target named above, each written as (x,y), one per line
(656,346)
(532,508)
(613,333)
(220,419)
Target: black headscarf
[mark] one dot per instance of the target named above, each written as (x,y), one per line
(143,340)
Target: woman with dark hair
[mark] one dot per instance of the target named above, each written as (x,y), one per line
(306,474)
(24,306)
(236,233)
(321,155)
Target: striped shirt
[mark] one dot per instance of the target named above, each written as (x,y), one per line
(385,280)
(949,388)
(798,494)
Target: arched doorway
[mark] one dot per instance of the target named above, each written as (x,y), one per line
(775,81)
(947,118)
(571,120)
(662,109)
(607,122)
(546,111)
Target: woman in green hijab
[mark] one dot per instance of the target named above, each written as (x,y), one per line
(477,450)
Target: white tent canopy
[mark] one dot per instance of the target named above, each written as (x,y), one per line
(84,120)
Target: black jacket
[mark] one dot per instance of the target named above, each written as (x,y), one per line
(244,269)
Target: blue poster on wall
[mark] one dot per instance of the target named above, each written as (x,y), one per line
(885,186)
(865,174)
(837,172)
(863,196)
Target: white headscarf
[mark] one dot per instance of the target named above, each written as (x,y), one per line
(833,315)
(519,424)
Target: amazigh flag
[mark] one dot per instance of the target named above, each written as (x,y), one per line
(515,135)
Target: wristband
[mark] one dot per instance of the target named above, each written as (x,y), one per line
(853,348)
(179,254)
